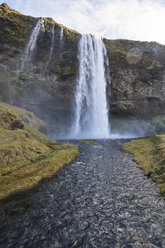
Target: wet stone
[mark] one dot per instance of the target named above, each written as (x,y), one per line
(101,200)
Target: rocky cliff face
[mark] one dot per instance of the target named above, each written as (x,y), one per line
(137,77)
(46,85)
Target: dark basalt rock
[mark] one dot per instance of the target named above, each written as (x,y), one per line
(137,77)
(47,89)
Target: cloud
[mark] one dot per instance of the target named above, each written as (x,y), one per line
(129,19)
(28,5)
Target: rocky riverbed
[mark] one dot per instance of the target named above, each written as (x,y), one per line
(99,200)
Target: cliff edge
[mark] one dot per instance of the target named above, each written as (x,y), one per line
(47,83)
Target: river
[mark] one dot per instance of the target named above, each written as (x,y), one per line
(100,200)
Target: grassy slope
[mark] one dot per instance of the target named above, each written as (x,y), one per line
(15,26)
(26,154)
(149,153)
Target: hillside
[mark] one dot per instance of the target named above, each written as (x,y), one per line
(149,153)
(26,154)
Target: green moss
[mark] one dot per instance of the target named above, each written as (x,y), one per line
(149,153)
(71,34)
(87,141)
(116,51)
(16,25)
(66,70)
(150,63)
(26,154)
(14,113)
(127,52)
(27,162)
(162,187)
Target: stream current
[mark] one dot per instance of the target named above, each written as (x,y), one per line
(100,200)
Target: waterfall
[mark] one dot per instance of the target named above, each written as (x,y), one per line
(91,108)
(52,44)
(31,45)
(61,34)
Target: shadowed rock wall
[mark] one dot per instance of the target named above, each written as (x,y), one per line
(137,77)
(46,87)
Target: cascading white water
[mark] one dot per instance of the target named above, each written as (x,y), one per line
(61,34)
(91,108)
(52,44)
(31,44)
(61,41)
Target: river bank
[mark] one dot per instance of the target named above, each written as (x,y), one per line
(100,200)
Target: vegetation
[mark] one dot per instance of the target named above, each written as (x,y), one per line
(21,114)
(14,25)
(17,25)
(87,141)
(128,52)
(149,153)
(26,154)
(71,34)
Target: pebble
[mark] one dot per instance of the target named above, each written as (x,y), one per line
(101,200)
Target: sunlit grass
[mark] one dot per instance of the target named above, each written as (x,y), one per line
(87,141)
(149,153)
(26,154)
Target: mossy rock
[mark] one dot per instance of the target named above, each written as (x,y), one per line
(87,141)
(14,25)
(13,113)
(10,121)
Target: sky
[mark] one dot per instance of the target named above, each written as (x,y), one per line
(114,19)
